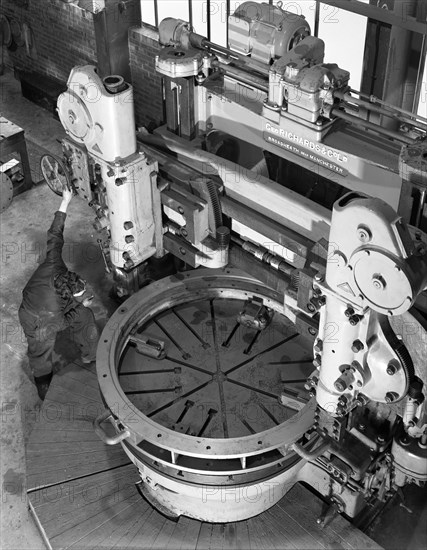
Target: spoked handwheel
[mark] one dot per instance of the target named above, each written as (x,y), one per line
(55,173)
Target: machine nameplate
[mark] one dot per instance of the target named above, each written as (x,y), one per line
(292,143)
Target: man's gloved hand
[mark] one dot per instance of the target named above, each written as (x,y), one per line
(67,195)
(87,301)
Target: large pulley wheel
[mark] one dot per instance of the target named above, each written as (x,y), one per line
(55,173)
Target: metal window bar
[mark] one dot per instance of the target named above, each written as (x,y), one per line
(190,12)
(316,19)
(226,21)
(156,14)
(208,18)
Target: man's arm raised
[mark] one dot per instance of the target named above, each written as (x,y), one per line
(55,234)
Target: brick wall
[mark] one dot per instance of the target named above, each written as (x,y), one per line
(63,37)
(147,83)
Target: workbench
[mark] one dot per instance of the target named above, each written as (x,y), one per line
(12,140)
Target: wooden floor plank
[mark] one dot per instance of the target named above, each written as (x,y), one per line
(81,372)
(230,536)
(260,533)
(91,504)
(79,516)
(65,426)
(204,537)
(179,534)
(148,532)
(63,445)
(242,535)
(192,535)
(217,536)
(108,533)
(130,531)
(164,535)
(66,496)
(99,462)
(81,395)
(254,540)
(304,507)
(290,531)
(60,459)
(39,450)
(100,536)
(76,379)
(83,530)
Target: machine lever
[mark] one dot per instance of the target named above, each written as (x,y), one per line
(99,430)
(107,267)
(313,455)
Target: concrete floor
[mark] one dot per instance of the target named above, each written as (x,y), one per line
(23,238)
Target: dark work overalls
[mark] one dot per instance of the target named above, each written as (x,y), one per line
(43,313)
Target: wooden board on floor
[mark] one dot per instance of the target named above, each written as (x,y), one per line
(63,445)
(83,492)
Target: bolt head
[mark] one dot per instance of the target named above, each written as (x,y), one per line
(405,440)
(390,397)
(340,385)
(349,312)
(318,347)
(357,346)
(378,282)
(391,369)
(364,233)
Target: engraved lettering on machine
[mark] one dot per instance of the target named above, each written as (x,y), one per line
(316,152)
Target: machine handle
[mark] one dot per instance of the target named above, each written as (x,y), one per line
(99,430)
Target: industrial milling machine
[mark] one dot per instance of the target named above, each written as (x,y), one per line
(285,344)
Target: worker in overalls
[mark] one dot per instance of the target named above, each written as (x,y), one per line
(54,299)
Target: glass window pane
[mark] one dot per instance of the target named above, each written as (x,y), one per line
(199,8)
(218,16)
(173,8)
(422,103)
(307,8)
(147,12)
(344,35)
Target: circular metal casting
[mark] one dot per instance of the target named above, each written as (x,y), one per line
(384,284)
(178,62)
(206,412)
(55,173)
(75,116)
